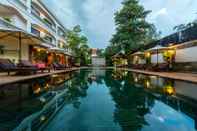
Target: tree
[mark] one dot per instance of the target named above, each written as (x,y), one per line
(79,45)
(100,52)
(110,51)
(132,29)
(131,103)
(182,27)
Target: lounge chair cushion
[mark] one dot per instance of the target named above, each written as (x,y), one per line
(7,64)
(41,65)
(26,63)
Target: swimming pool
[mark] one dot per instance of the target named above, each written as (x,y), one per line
(99,100)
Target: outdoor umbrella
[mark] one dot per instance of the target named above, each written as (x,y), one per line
(9,33)
(119,55)
(158,48)
(138,53)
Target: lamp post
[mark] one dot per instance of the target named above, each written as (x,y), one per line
(157,58)
(20,47)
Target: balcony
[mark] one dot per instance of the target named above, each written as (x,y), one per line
(46,37)
(35,31)
(6,23)
(61,33)
(44,20)
(22,3)
(49,39)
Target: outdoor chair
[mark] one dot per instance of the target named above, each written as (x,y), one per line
(58,66)
(138,66)
(151,67)
(161,67)
(8,66)
(134,66)
(141,66)
(26,63)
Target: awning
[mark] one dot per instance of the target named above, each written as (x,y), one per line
(8,32)
(56,49)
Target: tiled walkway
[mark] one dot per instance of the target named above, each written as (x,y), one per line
(190,77)
(5,79)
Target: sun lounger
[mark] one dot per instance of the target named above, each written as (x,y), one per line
(138,66)
(7,66)
(161,67)
(26,63)
(58,66)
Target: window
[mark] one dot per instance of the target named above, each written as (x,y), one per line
(35,31)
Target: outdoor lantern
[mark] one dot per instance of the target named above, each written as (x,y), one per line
(136,79)
(147,54)
(37,91)
(169,90)
(136,59)
(171,52)
(47,86)
(147,83)
(38,49)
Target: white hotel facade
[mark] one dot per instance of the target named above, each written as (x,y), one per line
(33,17)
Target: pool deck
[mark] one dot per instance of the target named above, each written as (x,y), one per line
(5,79)
(189,77)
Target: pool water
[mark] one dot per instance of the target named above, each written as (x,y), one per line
(99,100)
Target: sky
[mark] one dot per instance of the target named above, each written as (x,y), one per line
(96,17)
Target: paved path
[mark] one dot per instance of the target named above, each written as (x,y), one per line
(173,75)
(5,79)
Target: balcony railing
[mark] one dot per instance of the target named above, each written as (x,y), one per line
(5,24)
(22,3)
(35,31)
(47,38)
(61,33)
(44,21)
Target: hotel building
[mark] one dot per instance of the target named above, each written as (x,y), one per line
(34,18)
(179,49)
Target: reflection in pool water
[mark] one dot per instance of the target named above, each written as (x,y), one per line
(99,100)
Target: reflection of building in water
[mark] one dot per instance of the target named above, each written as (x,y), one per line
(22,99)
(170,92)
(158,84)
(119,74)
(171,87)
(17,101)
(186,89)
(59,79)
(98,61)
(98,72)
